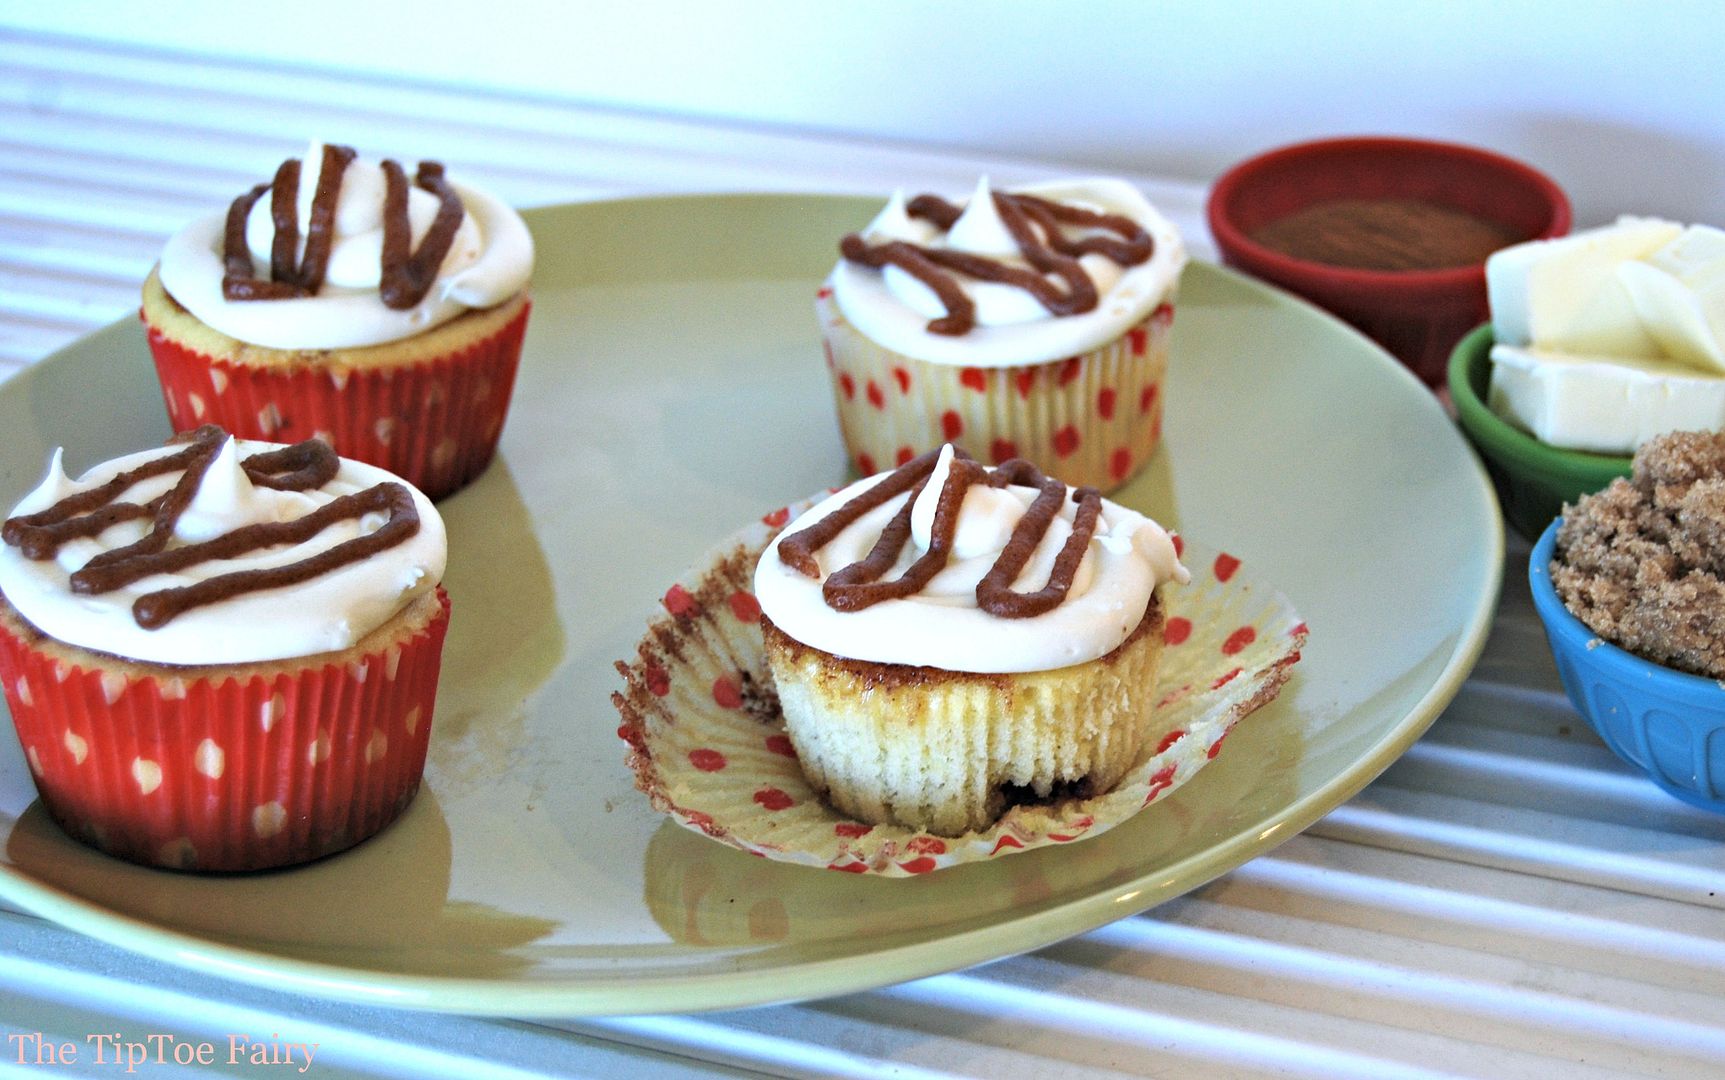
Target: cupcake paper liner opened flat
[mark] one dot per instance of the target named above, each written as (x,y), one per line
(748,721)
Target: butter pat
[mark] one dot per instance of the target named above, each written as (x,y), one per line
(1679,295)
(1601,404)
(1566,294)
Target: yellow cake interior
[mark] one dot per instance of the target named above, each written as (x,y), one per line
(947,752)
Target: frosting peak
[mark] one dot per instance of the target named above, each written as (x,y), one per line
(980,230)
(894,223)
(1004,569)
(225,495)
(985,518)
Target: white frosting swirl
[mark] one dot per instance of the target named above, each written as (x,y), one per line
(490,261)
(893,308)
(942,626)
(327,613)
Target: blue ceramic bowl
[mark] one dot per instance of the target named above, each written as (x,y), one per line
(1668,724)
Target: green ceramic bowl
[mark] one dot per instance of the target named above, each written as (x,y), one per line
(1533,480)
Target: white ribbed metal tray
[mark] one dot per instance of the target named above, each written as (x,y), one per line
(1507,901)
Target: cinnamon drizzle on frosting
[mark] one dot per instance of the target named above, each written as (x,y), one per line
(302,467)
(1036,224)
(858,586)
(407,275)
(290,275)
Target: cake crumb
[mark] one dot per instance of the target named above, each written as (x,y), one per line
(1642,563)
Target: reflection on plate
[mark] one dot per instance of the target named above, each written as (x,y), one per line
(672,386)
(708,745)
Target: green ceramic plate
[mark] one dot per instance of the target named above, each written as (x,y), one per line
(673,390)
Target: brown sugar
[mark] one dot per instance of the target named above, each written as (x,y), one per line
(1385,234)
(1642,563)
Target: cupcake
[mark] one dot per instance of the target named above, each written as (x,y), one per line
(1031,323)
(349,301)
(223,655)
(948,639)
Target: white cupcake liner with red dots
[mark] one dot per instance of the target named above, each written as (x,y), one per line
(708,747)
(1092,420)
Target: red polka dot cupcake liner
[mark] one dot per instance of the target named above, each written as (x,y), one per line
(435,423)
(212,772)
(707,743)
(1092,420)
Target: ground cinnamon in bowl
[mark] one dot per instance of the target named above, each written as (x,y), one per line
(1642,562)
(1385,234)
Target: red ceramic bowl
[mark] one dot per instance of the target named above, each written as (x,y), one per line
(1418,315)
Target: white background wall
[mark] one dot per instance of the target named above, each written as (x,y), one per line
(1623,103)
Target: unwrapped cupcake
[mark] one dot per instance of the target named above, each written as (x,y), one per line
(947,639)
(222,654)
(379,309)
(1031,323)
